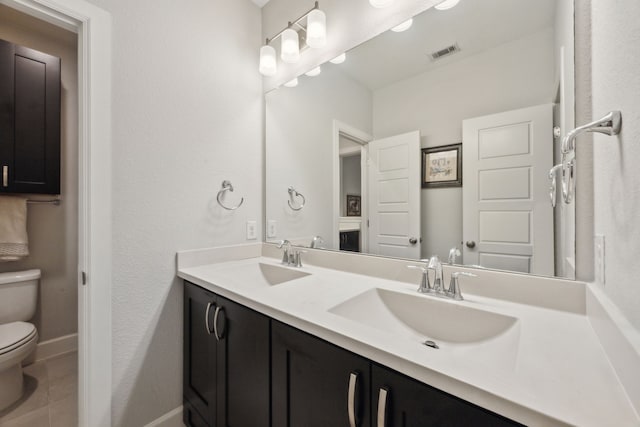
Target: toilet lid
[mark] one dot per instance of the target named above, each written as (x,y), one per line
(14,334)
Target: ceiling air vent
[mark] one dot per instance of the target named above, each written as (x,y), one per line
(449,50)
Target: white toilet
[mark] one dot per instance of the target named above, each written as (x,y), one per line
(18,338)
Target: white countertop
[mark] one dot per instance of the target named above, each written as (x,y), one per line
(552,370)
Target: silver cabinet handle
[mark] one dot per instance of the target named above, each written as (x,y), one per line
(215,323)
(353,381)
(382,407)
(5,176)
(206,318)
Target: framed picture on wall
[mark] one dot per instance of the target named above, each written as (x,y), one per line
(353,205)
(442,166)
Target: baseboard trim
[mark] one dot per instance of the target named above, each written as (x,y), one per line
(56,346)
(170,419)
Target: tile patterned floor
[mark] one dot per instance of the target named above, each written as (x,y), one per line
(51,395)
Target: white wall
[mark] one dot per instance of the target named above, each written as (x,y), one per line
(187,108)
(299,128)
(53,230)
(515,75)
(616,85)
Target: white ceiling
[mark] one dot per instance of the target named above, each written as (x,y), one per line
(474,25)
(260,3)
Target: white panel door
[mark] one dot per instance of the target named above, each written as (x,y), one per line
(394,196)
(507,217)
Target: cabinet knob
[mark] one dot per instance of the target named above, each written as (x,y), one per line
(471,244)
(413,240)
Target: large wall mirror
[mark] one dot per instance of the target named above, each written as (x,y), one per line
(435,140)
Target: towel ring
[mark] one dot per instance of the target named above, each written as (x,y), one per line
(294,193)
(227,186)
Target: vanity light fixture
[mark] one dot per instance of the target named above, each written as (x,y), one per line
(339,59)
(380,3)
(268,62)
(308,30)
(290,47)
(446,4)
(292,83)
(314,71)
(403,27)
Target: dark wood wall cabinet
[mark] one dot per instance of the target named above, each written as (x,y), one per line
(29,120)
(243,369)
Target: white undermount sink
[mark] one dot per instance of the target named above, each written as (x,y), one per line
(260,274)
(419,316)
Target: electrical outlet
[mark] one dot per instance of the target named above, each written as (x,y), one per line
(598,247)
(271,228)
(252,233)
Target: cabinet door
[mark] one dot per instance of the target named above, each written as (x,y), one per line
(400,401)
(199,352)
(29,120)
(316,384)
(243,365)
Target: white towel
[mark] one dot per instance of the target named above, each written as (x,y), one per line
(14,243)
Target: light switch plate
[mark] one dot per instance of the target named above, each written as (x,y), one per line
(598,248)
(271,228)
(252,233)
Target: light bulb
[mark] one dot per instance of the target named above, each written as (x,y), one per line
(292,83)
(446,4)
(316,29)
(339,59)
(290,50)
(380,3)
(403,27)
(314,72)
(268,64)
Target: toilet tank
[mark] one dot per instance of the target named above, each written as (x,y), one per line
(18,295)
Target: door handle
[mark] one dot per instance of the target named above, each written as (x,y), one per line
(413,240)
(5,176)
(218,332)
(351,404)
(471,244)
(206,318)
(382,407)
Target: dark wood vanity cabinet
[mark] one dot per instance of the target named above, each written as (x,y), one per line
(29,120)
(400,401)
(226,362)
(244,369)
(315,383)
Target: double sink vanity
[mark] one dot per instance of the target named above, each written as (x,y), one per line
(349,341)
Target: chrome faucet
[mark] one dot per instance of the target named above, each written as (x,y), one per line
(438,289)
(425,285)
(454,286)
(285,245)
(316,242)
(438,280)
(453,254)
(289,256)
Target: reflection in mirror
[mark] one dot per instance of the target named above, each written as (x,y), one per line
(495,76)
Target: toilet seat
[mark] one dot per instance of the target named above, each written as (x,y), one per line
(15,335)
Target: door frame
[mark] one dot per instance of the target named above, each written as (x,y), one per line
(93,27)
(362,138)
